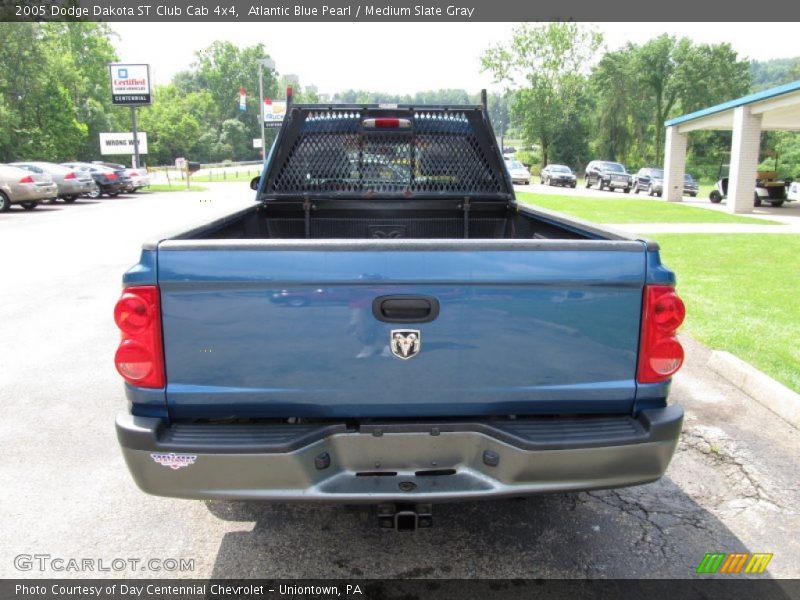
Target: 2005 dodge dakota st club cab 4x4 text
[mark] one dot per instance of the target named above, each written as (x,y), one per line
(386,324)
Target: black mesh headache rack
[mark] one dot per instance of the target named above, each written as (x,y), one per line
(393,152)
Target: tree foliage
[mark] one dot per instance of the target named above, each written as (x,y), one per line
(771,73)
(54,89)
(547,67)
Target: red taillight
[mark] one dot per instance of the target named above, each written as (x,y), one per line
(26,179)
(660,353)
(111,176)
(133,174)
(70,175)
(387,123)
(140,356)
(133,313)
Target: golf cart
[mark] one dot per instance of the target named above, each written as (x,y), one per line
(768,187)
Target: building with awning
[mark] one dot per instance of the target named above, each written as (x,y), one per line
(776,109)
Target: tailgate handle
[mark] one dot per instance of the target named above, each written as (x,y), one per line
(405,309)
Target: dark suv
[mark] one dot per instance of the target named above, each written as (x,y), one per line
(611,175)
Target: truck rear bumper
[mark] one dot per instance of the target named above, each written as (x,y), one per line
(395,461)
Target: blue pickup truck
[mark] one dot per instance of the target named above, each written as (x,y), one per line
(387,324)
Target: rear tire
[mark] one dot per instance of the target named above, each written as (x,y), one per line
(650,190)
(5,203)
(573,185)
(756,199)
(715,197)
(94,193)
(29,205)
(588,183)
(627,190)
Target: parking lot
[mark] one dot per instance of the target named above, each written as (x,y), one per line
(731,487)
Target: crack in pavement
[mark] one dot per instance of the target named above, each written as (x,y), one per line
(743,477)
(654,535)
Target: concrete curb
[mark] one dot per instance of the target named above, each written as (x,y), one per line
(761,387)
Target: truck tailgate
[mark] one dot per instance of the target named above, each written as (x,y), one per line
(286,328)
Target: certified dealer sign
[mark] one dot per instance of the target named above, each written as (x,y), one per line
(130,84)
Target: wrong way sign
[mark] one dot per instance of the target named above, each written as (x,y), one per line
(122,143)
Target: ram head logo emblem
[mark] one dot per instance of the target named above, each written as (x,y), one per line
(405,343)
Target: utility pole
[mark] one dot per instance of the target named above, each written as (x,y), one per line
(269,64)
(135,138)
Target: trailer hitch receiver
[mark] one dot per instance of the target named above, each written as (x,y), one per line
(405,517)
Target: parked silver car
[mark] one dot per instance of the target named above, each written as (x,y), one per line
(71,183)
(558,175)
(519,172)
(18,186)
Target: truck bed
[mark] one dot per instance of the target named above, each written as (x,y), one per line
(386,220)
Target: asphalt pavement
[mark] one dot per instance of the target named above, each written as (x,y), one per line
(732,485)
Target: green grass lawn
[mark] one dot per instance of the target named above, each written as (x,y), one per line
(630,209)
(174,187)
(741,293)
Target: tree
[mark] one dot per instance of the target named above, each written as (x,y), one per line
(656,66)
(234,134)
(39,112)
(223,68)
(79,53)
(637,88)
(173,123)
(55,90)
(615,95)
(681,77)
(775,72)
(548,65)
